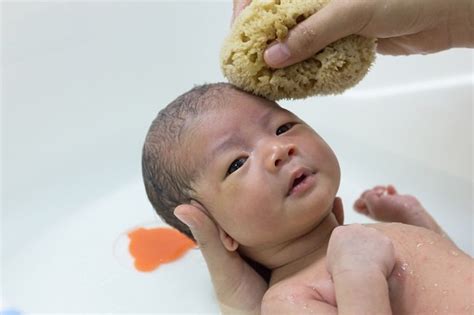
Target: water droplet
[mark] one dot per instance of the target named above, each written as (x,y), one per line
(404,266)
(454,253)
(419,245)
(411,272)
(435,284)
(423,288)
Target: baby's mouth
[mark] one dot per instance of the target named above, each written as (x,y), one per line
(298,180)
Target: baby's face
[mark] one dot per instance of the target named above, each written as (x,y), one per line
(267,177)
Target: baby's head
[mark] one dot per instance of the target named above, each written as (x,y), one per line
(261,173)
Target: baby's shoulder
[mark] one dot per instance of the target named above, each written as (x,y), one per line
(400,232)
(409,241)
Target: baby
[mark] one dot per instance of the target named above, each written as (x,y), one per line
(269,182)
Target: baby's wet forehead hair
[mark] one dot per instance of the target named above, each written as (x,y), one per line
(167,176)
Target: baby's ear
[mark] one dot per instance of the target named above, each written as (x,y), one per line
(229,243)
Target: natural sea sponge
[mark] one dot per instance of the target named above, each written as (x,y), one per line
(332,70)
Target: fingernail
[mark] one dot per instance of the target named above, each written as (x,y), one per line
(277,54)
(189,221)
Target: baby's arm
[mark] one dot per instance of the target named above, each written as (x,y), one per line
(360,259)
(385,204)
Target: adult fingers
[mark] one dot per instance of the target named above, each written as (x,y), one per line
(238,6)
(206,234)
(338,19)
(238,287)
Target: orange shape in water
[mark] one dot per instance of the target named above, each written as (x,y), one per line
(152,247)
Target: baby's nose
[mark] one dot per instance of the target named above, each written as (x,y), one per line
(280,154)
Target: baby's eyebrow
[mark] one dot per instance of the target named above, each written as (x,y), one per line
(232,141)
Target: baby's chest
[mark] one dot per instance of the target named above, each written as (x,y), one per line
(314,282)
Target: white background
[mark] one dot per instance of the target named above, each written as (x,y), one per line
(82,81)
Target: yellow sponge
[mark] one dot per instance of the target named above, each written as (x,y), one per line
(332,70)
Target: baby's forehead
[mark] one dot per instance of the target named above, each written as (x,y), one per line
(244,105)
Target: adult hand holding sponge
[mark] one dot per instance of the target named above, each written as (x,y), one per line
(335,68)
(326,35)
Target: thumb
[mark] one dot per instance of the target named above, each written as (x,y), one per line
(336,20)
(238,6)
(224,266)
(202,227)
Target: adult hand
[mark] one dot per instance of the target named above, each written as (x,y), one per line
(401,27)
(239,288)
(238,6)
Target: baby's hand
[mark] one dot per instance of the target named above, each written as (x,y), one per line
(357,248)
(385,204)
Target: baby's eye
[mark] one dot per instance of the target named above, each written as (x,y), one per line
(284,128)
(235,165)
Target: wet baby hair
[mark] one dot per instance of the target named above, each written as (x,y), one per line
(167,177)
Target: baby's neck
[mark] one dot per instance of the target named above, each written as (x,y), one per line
(298,253)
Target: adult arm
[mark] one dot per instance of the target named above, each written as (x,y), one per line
(238,287)
(402,27)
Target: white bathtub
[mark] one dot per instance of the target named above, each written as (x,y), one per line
(81,84)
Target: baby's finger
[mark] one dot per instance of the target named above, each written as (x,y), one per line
(378,190)
(372,200)
(360,206)
(391,190)
(338,19)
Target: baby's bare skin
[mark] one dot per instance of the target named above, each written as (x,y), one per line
(383,203)
(431,275)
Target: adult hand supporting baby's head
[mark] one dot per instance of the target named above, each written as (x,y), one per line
(239,288)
